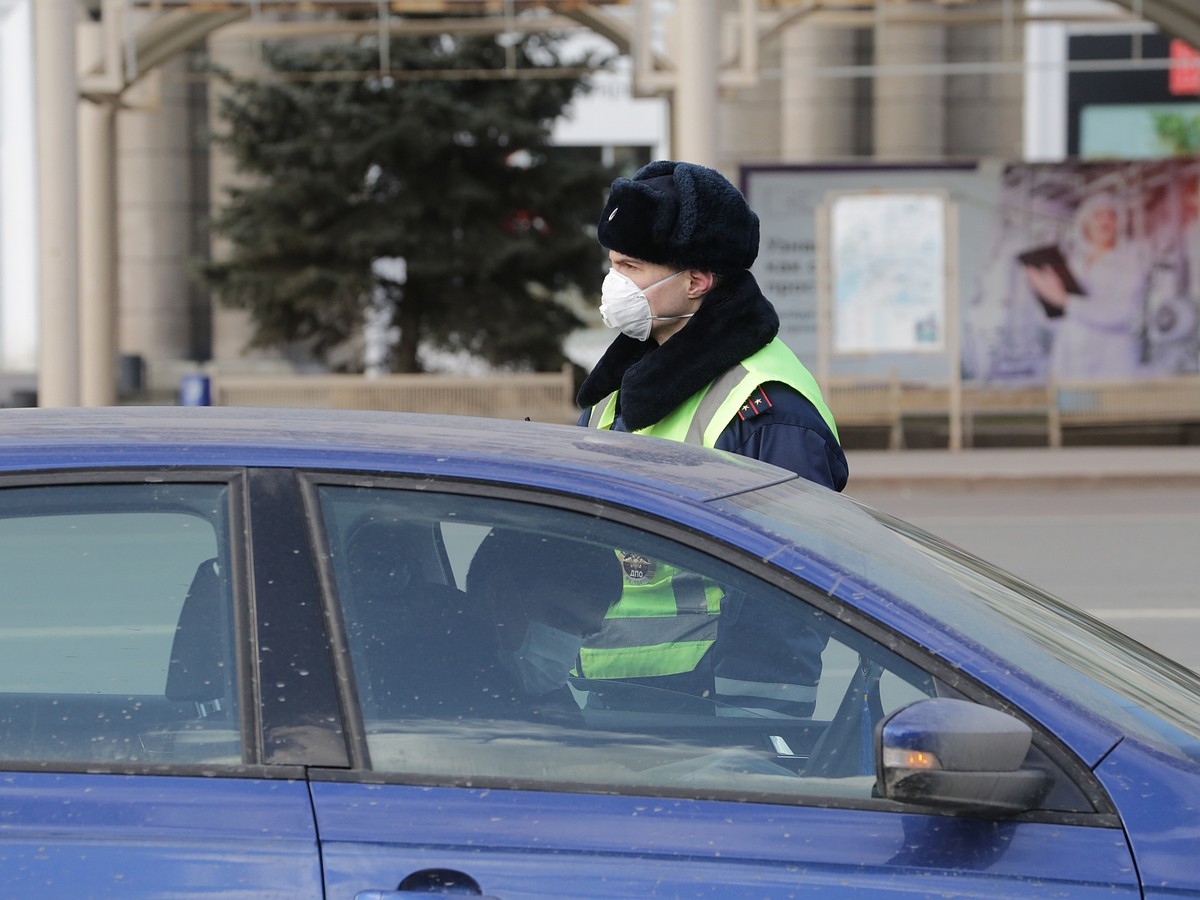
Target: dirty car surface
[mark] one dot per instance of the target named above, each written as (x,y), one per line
(290,653)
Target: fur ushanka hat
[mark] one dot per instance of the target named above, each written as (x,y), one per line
(682,215)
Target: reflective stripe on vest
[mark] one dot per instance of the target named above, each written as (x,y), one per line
(768,690)
(663,627)
(702,418)
(603,415)
(764,698)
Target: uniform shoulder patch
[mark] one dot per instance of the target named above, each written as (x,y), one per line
(756,404)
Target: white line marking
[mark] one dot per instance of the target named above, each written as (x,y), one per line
(1145,613)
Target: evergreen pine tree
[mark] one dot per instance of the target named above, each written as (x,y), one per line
(452,173)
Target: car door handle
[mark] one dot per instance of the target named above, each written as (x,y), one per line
(399,895)
(446,882)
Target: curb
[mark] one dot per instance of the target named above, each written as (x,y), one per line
(1071,468)
(995,481)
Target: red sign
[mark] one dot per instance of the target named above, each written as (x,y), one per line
(1185,69)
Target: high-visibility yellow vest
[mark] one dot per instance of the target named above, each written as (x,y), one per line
(665,622)
(702,418)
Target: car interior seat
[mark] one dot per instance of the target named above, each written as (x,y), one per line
(201,672)
(199,668)
(403,630)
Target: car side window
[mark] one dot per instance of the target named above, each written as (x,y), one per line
(117,645)
(499,642)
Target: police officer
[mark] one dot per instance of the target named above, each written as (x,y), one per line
(699,359)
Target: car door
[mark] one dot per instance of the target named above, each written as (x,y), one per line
(468,776)
(129,759)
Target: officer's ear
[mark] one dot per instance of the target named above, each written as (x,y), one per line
(700,283)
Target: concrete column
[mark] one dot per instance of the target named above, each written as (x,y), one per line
(748,118)
(155,225)
(694,106)
(816,114)
(985,112)
(232,329)
(98,254)
(910,107)
(58,221)
(18,200)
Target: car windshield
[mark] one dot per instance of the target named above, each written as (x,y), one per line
(1085,661)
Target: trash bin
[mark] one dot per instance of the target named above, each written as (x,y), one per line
(131,375)
(195,390)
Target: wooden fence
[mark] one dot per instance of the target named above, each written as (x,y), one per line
(889,403)
(540,396)
(884,402)
(1151,402)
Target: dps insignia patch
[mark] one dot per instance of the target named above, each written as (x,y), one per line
(637,569)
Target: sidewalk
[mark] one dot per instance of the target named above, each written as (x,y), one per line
(1065,466)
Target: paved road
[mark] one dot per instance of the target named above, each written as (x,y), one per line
(1117,534)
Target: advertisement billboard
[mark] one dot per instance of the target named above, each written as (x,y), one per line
(790,201)
(1093,274)
(1080,270)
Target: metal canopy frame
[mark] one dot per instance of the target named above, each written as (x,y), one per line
(1177,18)
(183,23)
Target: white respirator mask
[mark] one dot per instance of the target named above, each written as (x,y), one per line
(623,305)
(545,658)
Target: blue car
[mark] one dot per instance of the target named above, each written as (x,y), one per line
(290,653)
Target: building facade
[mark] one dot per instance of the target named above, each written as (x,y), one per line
(924,83)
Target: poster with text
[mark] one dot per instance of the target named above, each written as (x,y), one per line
(889,273)
(788,199)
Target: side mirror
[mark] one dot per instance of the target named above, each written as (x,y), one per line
(958,756)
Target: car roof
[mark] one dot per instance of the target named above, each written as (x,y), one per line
(557,456)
